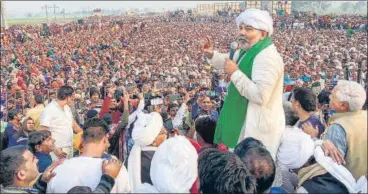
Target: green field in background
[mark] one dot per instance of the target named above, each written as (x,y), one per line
(40,20)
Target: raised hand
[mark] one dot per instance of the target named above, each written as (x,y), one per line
(310,130)
(112,91)
(187,97)
(48,174)
(126,97)
(140,96)
(59,153)
(207,47)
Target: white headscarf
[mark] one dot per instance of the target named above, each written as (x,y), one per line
(146,129)
(338,171)
(256,18)
(173,168)
(295,149)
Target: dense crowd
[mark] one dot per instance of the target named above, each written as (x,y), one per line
(139,91)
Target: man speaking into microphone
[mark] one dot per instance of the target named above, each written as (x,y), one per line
(253,106)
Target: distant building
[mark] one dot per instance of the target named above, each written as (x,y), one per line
(205,9)
(284,6)
(230,6)
(253,4)
(97,12)
(239,6)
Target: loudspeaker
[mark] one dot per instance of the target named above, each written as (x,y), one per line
(80,21)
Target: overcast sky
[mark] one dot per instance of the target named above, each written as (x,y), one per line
(35,6)
(21,8)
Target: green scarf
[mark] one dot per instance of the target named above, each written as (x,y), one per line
(234,110)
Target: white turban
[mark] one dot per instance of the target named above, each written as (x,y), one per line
(146,129)
(173,168)
(256,18)
(295,149)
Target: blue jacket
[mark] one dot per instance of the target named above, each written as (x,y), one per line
(18,139)
(44,161)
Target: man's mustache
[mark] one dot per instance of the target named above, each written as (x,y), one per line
(241,39)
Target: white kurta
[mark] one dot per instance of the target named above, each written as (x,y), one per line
(84,171)
(265,118)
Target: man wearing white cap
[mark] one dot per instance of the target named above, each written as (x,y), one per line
(148,133)
(174,167)
(256,85)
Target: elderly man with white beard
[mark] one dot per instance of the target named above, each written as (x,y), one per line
(253,107)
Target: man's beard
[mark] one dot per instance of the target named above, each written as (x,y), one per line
(243,42)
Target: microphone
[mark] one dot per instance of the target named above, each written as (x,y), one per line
(233,47)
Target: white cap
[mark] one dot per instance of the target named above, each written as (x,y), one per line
(256,18)
(156,101)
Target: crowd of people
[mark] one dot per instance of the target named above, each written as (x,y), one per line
(130,104)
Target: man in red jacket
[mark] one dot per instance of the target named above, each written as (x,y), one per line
(112,107)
